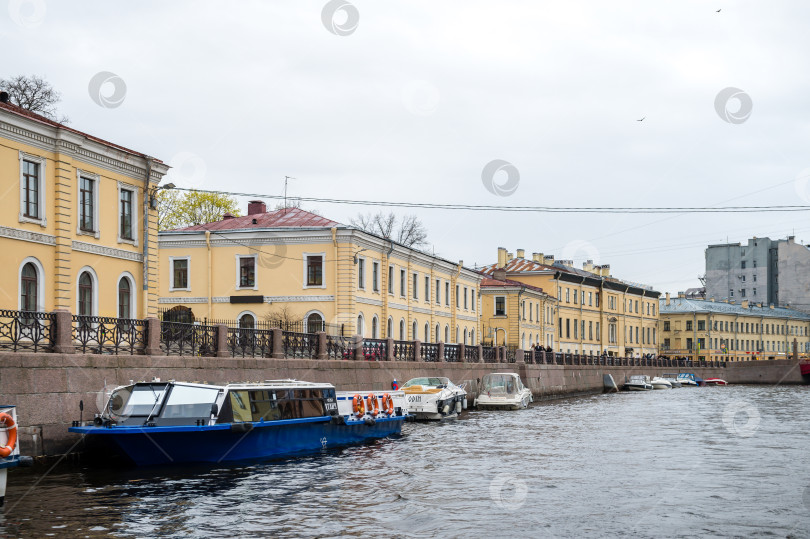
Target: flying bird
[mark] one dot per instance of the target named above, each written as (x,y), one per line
(641,120)
(719,10)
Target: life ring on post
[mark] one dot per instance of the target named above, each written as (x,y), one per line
(387,404)
(373,405)
(8,422)
(358,405)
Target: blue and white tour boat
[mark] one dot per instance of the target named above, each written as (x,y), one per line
(156,422)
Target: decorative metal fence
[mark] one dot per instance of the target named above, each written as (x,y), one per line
(101,335)
(404,351)
(490,354)
(250,342)
(510,355)
(471,354)
(375,349)
(430,351)
(177,339)
(451,353)
(300,345)
(339,348)
(26,330)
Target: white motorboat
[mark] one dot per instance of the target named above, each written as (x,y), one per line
(688,379)
(504,391)
(638,382)
(661,383)
(434,398)
(672,378)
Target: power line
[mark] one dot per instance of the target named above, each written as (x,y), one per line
(536,209)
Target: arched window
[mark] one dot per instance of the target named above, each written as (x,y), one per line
(413,331)
(374,328)
(427,332)
(361,325)
(86,294)
(465,335)
(247,321)
(29,287)
(438,333)
(402,336)
(522,341)
(389,333)
(472,337)
(446,333)
(125,298)
(315,323)
(457,334)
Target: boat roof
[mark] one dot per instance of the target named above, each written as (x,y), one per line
(287,383)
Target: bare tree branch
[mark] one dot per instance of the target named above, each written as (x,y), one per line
(35,94)
(409,232)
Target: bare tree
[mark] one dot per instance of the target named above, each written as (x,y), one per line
(409,231)
(282,316)
(33,93)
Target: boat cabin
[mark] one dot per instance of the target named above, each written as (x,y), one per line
(501,383)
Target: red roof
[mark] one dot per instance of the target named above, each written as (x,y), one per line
(290,218)
(495,283)
(14,109)
(519,264)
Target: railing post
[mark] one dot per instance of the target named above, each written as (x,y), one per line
(480,353)
(152,345)
(323,350)
(389,349)
(440,356)
(417,351)
(278,343)
(501,354)
(519,356)
(222,341)
(358,348)
(63,333)
(462,353)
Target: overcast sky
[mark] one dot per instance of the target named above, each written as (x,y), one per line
(412,103)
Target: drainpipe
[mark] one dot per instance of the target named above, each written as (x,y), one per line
(145,265)
(336,263)
(210,279)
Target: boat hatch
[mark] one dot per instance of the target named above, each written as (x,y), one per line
(501,383)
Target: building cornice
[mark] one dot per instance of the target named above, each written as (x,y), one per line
(101,250)
(26,235)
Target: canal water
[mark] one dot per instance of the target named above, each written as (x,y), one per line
(727,461)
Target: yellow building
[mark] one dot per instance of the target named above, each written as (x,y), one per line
(516,315)
(72,229)
(705,329)
(595,312)
(294,264)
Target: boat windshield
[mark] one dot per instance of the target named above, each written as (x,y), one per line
(638,378)
(138,400)
(501,383)
(190,401)
(686,375)
(427,382)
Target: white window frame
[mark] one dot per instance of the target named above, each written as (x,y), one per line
(361,324)
(255,318)
(495,306)
(466,303)
(391,272)
(403,282)
(361,282)
(427,288)
(133,306)
(415,286)
(40,283)
(375,327)
(94,278)
(134,190)
(375,276)
(173,288)
(41,161)
(306,265)
(310,313)
(255,258)
(447,293)
(438,291)
(97,189)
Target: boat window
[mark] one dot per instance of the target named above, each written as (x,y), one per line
(500,383)
(426,382)
(140,400)
(189,401)
(269,405)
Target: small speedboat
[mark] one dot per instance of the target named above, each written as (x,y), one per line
(434,398)
(172,422)
(688,379)
(672,378)
(638,382)
(715,382)
(661,383)
(504,391)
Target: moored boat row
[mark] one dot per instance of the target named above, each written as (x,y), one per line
(642,382)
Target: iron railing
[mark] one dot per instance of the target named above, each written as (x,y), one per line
(338,348)
(451,353)
(26,330)
(375,349)
(510,355)
(250,342)
(178,339)
(299,345)
(103,335)
(430,351)
(404,351)
(490,354)
(471,354)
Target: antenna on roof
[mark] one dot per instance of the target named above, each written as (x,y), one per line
(285,192)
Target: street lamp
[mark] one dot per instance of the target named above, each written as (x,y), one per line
(153,202)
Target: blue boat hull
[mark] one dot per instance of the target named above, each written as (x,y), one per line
(149,446)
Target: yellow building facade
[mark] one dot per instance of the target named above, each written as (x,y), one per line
(516,315)
(595,313)
(77,231)
(292,264)
(709,330)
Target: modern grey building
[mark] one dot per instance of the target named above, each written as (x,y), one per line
(763,271)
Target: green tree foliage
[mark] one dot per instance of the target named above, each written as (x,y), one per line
(178,209)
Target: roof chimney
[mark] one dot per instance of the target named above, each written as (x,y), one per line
(256,206)
(588,266)
(521,253)
(228,215)
(770,305)
(3,97)
(668,300)
(501,257)
(605,270)
(499,274)
(682,295)
(537,257)
(745,304)
(712,299)
(567,263)
(548,260)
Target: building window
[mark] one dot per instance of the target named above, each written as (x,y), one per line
(742,293)
(85,294)
(415,286)
(590,299)
(597,299)
(29,288)
(361,273)
(315,323)
(568,295)
(742,264)
(124,298)
(446,333)
(248,321)
(361,325)
(375,276)
(576,294)
(30,187)
(374,328)
(427,332)
(402,291)
(465,299)
(390,279)
(247,271)
(402,335)
(568,328)
(438,292)
(87,191)
(427,289)
(590,330)
(688,325)
(500,306)
(457,298)
(447,294)
(731,293)
(666,325)
(180,279)
(414,335)
(314,265)
(125,225)
(389,333)
(701,325)
(755,291)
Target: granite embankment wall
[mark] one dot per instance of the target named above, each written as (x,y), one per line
(47,388)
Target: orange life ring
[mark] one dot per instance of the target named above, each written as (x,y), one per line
(387,404)
(358,405)
(373,405)
(8,422)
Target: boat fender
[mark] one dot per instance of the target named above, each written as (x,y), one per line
(369,421)
(458,407)
(464,405)
(241,427)
(446,409)
(8,422)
